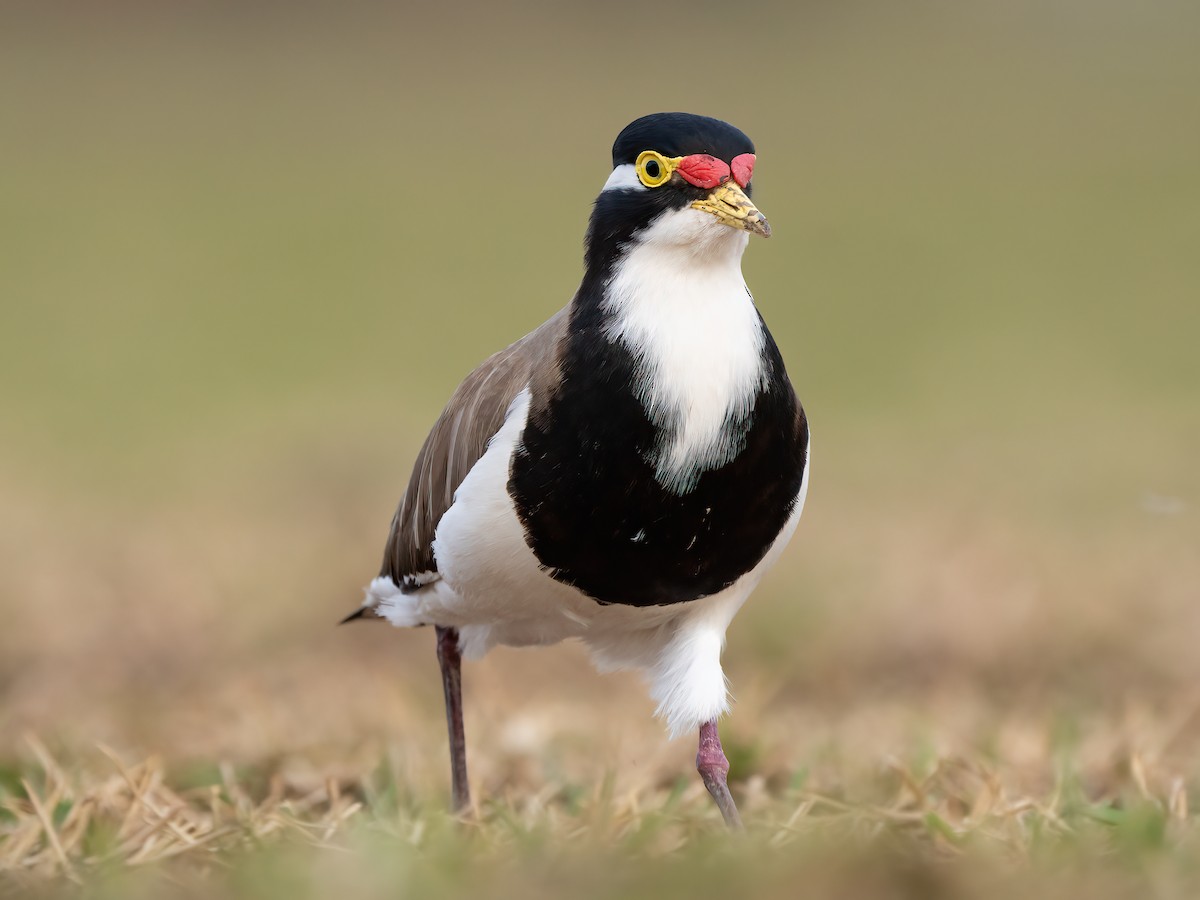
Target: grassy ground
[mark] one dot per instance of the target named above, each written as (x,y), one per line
(246,257)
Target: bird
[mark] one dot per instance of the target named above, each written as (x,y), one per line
(626,473)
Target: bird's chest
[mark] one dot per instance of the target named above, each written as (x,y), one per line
(667,459)
(691,355)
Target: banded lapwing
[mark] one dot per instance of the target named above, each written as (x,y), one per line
(627,472)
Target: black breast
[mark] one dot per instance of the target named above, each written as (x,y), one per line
(597,519)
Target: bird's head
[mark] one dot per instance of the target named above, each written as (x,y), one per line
(678,180)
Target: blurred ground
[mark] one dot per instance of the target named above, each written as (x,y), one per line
(249,252)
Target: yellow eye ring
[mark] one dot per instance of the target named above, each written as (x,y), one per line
(654,169)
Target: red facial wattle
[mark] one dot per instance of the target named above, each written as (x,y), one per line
(703,171)
(743,169)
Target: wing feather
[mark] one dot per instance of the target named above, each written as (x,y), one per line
(458,439)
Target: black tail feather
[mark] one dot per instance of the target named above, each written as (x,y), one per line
(359,613)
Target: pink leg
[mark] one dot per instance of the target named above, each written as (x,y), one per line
(451,665)
(713,768)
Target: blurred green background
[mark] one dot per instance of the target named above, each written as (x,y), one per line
(246,252)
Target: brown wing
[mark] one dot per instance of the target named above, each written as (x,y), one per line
(459,437)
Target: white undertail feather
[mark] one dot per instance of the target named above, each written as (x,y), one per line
(681,306)
(681,658)
(687,681)
(385,597)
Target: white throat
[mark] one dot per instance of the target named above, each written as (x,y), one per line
(680,304)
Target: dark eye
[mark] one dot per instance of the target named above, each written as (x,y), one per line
(653,169)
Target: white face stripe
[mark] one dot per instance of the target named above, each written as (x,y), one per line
(624,178)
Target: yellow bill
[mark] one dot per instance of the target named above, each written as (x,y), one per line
(729,203)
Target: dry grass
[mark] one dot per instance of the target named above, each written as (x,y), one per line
(66,825)
(947,814)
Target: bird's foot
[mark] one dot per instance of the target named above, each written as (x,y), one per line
(714,770)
